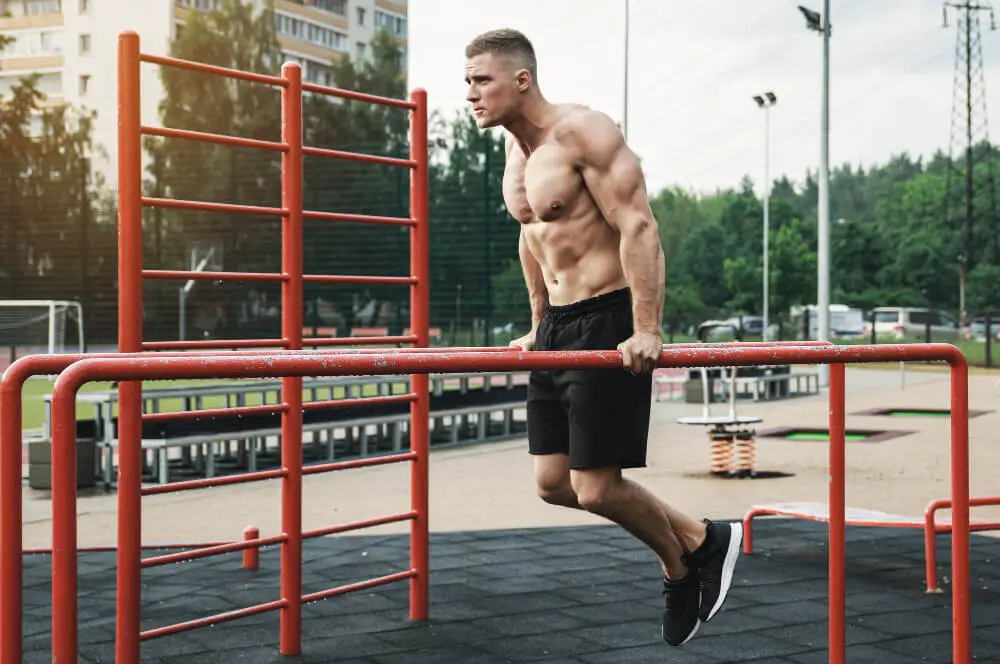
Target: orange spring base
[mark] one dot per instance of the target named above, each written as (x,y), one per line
(733,452)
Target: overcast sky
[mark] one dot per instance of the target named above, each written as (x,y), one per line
(694,67)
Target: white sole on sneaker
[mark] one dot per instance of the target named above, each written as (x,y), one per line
(689,637)
(728,566)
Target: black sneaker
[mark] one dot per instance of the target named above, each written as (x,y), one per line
(680,612)
(716,560)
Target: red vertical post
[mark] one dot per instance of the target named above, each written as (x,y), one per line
(420,326)
(837,508)
(129,341)
(11,563)
(960,590)
(291,388)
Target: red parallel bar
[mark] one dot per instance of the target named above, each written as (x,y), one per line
(213,69)
(357,96)
(205,552)
(358,156)
(128,587)
(205,206)
(213,276)
(837,562)
(190,485)
(105,548)
(350,341)
(212,620)
(214,344)
(359,463)
(358,525)
(359,401)
(361,585)
(11,386)
(215,412)
(931,529)
(290,620)
(221,139)
(349,279)
(961,581)
(361,218)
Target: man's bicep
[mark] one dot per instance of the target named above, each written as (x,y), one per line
(612,173)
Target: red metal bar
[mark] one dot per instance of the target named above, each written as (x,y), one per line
(215,412)
(361,585)
(213,69)
(359,401)
(191,485)
(351,341)
(129,575)
(206,206)
(359,218)
(213,276)
(291,387)
(251,557)
(420,325)
(358,156)
(221,139)
(205,552)
(381,460)
(837,564)
(931,529)
(350,279)
(961,581)
(357,96)
(214,344)
(212,620)
(358,525)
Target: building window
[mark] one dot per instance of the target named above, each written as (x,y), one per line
(338,7)
(361,15)
(395,25)
(361,50)
(38,7)
(84,84)
(84,44)
(307,31)
(84,6)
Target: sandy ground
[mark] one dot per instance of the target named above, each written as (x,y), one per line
(490,486)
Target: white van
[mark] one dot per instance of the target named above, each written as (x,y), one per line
(911,323)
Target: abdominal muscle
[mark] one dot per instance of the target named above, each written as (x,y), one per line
(579,257)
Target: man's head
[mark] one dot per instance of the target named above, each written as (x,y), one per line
(500,71)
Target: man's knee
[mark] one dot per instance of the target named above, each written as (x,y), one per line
(596,489)
(552,480)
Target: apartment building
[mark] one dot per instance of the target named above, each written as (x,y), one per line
(72,45)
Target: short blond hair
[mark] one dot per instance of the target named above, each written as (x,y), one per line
(507,43)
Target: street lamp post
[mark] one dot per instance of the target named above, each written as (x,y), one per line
(625,92)
(766,102)
(821,23)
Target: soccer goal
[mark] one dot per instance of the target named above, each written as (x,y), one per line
(28,327)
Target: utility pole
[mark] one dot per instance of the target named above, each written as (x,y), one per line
(821,23)
(766,101)
(969,73)
(625,96)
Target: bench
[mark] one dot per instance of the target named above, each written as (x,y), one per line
(777,386)
(931,524)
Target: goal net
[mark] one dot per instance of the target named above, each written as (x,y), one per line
(28,327)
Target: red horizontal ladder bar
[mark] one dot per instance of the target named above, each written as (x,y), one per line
(214,344)
(359,218)
(204,206)
(350,341)
(213,69)
(212,620)
(357,96)
(214,276)
(167,132)
(358,156)
(191,485)
(357,279)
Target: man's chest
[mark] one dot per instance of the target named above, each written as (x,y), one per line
(542,187)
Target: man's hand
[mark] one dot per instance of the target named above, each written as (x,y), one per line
(641,352)
(526,342)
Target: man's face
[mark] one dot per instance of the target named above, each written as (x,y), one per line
(493,89)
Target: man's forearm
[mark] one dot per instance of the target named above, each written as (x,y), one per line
(538,294)
(644,266)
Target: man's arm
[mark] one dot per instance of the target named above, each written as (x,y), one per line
(537,292)
(614,178)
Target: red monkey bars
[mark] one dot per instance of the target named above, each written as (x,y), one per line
(291,278)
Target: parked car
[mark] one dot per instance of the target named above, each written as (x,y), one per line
(911,323)
(976,329)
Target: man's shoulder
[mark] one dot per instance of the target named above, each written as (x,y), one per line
(586,129)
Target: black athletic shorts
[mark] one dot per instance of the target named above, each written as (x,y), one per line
(599,417)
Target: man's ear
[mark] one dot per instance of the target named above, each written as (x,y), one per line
(523,78)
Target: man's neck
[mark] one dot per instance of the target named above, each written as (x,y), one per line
(534,121)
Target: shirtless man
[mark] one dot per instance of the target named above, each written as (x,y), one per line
(594,269)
